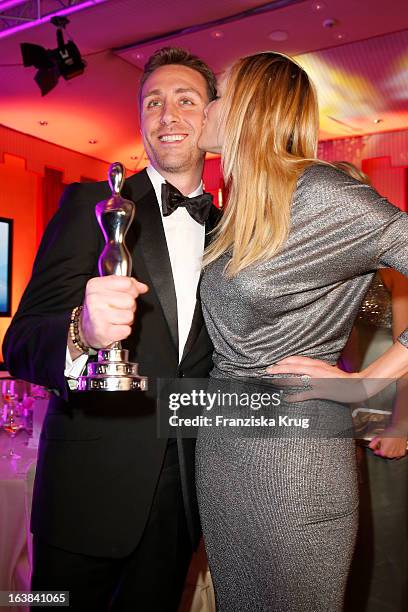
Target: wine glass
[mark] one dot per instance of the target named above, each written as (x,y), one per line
(27,414)
(11,417)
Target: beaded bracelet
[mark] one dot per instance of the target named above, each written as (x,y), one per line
(74,331)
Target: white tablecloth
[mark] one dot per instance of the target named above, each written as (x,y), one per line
(16,477)
(16,482)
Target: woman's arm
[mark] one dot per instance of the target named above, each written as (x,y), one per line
(381,230)
(397,285)
(393,444)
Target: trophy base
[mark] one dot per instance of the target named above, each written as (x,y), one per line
(111,383)
(112,372)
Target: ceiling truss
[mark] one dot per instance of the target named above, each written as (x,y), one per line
(17,15)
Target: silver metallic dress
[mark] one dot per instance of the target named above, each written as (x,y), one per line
(279,513)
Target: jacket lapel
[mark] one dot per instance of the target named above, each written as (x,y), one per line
(146,235)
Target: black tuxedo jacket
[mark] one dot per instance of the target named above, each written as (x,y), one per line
(100,455)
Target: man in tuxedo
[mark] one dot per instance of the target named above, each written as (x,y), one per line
(114,513)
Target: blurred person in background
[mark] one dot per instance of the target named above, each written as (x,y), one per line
(378,579)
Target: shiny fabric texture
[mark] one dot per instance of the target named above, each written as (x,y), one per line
(304,300)
(279,515)
(376,308)
(279,520)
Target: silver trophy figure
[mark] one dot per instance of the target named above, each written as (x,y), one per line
(113,371)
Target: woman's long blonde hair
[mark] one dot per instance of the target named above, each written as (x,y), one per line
(270,115)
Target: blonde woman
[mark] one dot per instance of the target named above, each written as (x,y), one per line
(285,274)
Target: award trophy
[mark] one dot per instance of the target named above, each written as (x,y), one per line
(113,371)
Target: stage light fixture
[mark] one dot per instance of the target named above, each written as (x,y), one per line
(65,60)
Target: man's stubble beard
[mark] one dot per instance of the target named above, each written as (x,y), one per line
(189,161)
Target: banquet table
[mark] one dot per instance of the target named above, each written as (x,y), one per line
(16,477)
(16,485)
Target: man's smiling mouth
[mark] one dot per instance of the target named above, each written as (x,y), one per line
(172,137)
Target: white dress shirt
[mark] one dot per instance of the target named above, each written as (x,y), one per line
(185,243)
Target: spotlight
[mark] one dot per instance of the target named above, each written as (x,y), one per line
(65,60)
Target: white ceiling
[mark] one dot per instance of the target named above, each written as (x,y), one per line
(364,77)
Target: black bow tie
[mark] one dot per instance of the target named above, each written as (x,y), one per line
(198,207)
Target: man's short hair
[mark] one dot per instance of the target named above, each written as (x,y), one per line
(176,55)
